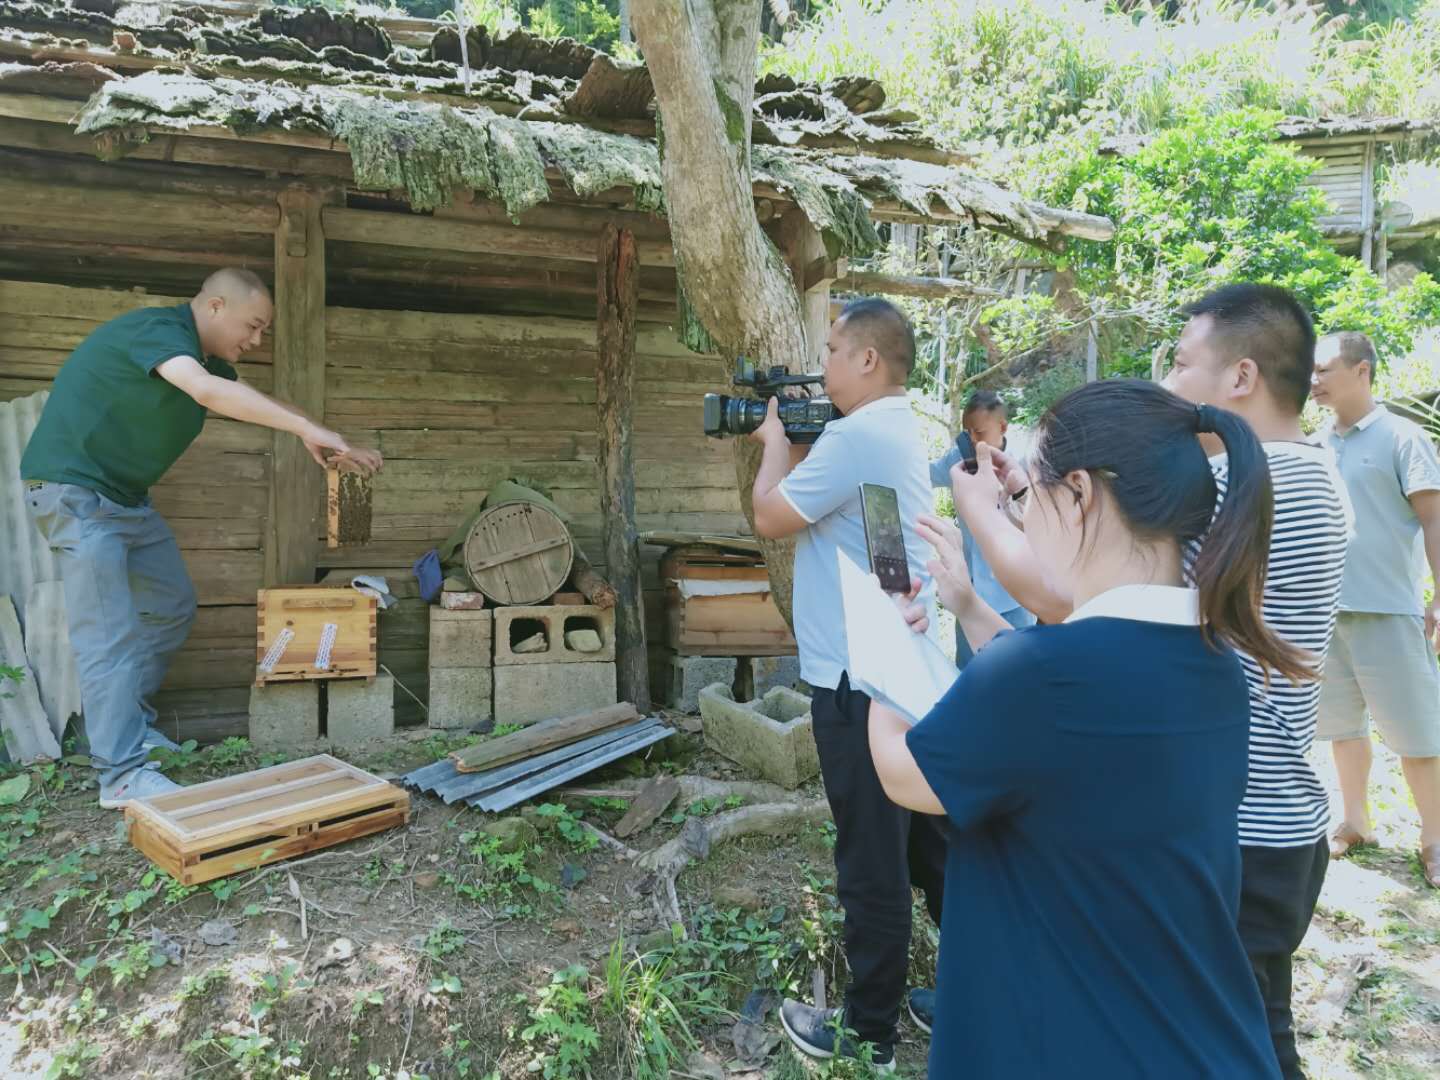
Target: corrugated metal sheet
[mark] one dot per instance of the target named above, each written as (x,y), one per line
(47,645)
(22,719)
(508,785)
(25,558)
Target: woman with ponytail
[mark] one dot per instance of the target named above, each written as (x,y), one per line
(1094,869)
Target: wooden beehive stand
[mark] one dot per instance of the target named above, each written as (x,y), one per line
(241,822)
(739,624)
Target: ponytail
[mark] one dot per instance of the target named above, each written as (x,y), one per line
(1230,568)
(1139,441)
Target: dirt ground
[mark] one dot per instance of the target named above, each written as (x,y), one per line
(436,950)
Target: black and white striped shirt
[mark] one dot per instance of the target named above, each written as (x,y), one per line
(1285,804)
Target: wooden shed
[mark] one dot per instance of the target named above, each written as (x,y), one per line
(1350,152)
(431,227)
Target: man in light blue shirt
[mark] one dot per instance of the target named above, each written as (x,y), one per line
(880,848)
(1381,666)
(986,420)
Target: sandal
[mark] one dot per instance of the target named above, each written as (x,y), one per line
(1345,839)
(1430,864)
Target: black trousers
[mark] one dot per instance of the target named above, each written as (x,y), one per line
(1279,888)
(880,850)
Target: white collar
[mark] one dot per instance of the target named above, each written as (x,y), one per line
(882,404)
(1167,604)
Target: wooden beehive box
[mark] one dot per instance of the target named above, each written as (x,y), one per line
(740,624)
(241,822)
(295,641)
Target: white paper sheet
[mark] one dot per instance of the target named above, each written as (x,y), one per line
(888,660)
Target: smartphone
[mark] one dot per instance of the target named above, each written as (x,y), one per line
(884,539)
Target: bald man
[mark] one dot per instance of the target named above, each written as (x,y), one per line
(126,404)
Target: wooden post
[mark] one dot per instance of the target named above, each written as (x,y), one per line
(1092,353)
(804,250)
(618,282)
(297,484)
(1367,205)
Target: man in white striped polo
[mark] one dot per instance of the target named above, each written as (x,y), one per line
(1251,349)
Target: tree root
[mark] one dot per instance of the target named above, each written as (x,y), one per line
(665,863)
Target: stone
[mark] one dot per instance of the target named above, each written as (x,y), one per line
(771,736)
(217,933)
(586,641)
(460,697)
(773,671)
(284,714)
(530,692)
(688,675)
(427,880)
(462,601)
(513,833)
(461,639)
(532,644)
(457,584)
(737,896)
(359,710)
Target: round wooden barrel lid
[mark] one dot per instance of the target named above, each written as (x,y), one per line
(518,553)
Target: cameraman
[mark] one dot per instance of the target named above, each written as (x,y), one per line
(880,848)
(985,420)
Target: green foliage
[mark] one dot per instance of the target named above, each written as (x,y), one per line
(10,674)
(560,1034)
(1219,200)
(655,1005)
(567,824)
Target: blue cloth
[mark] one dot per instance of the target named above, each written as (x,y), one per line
(877,444)
(129,604)
(1018,617)
(429,576)
(987,585)
(1093,881)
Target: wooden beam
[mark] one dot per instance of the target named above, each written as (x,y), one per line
(617,285)
(1367,206)
(454,234)
(805,254)
(823,271)
(929,288)
(129,213)
(297,485)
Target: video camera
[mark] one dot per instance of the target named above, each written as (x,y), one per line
(804,418)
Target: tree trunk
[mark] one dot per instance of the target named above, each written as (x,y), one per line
(702,56)
(625,36)
(618,286)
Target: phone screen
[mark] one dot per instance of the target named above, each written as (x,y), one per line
(884,537)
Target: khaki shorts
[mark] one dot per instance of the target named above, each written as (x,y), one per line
(1381,665)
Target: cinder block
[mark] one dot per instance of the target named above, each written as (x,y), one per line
(526,693)
(773,671)
(772,736)
(358,710)
(284,714)
(688,675)
(516,624)
(460,697)
(460,639)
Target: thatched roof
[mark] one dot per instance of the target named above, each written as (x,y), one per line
(395,95)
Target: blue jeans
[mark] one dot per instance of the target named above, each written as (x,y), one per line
(129,604)
(1018,617)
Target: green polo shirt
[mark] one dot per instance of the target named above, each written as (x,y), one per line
(112,424)
(1384,459)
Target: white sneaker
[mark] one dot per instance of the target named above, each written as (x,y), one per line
(135,784)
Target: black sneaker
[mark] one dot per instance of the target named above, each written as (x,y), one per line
(814,1033)
(922,1008)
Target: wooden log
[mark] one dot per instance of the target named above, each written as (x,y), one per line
(297,486)
(617,279)
(929,288)
(122,213)
(652,801)
(546,735)
(591,584)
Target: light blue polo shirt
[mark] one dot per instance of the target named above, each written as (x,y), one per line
(1384,459)
(879,443)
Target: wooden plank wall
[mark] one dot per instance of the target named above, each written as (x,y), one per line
(215,498)
(458,403)
(1341,176)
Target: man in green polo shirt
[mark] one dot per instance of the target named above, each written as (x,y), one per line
(1381,665)
(124,407)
